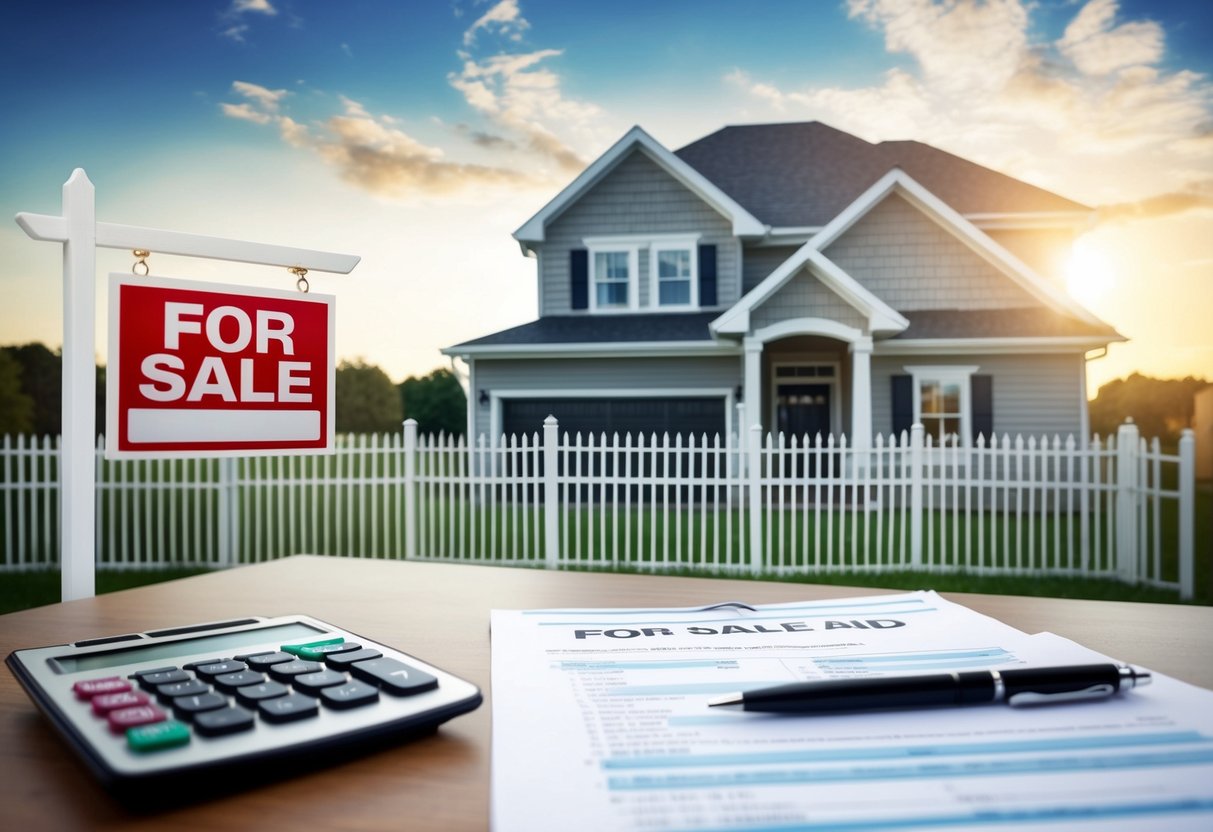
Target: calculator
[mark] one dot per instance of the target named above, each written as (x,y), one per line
(255,695)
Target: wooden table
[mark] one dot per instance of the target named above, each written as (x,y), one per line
(439,612)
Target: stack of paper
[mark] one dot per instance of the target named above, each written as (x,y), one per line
(600,722)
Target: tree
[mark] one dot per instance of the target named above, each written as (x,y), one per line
(1159,407)
(436,401)
(42,382)
(16,407)
(366,400)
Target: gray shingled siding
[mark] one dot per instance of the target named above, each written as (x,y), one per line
(760,261)
(910,262)
(1034,395)
(560,375)
(1044,250)
(639,198)
(804,296)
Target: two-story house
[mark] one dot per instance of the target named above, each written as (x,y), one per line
(797,277)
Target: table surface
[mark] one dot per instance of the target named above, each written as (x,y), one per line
(440,613)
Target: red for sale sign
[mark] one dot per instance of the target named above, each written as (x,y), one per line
(207,369)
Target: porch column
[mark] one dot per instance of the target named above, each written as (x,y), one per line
(753,384)
(861,393)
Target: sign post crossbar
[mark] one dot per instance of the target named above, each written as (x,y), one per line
(80,234)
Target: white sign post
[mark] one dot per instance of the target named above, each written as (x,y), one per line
(80,233)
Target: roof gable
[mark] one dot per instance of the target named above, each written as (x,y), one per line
(882,318)
(744,224)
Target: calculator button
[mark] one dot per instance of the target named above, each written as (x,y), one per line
(342,661)
(394,676)
(230,681)
(286,708)
(89,688)
(139,674)
(349,695)
(124,718)
(161,735)
(201,663)
(223,721)
(210,671)
(191,687)
(151,681)
(289,670)
(319,651)
(295,648)
(185,707)
(312,682)
(264,661)
(252,694)
(107,702)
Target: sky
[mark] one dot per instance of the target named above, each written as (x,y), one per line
(418,134)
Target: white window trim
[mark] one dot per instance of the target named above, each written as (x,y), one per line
(945,373)
(651,243)
(633,253)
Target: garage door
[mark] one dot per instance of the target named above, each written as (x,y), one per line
(661,415)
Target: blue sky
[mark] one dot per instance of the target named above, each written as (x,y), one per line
(419,134)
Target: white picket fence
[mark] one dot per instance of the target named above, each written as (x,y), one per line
(1117,508)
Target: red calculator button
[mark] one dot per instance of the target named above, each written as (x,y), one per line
(89,688)
(107,702)
(124,718)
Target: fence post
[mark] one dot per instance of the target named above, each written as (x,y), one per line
(227,502)
(753,483)
(551,500)
(916,485)
(410,489)
(1127,440)
(1187,513)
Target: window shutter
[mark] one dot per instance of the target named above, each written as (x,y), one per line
(707,275)
(579,278)
(903,404)
(981,395)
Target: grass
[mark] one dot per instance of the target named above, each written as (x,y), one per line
(23,590)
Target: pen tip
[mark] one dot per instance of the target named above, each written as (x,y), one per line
(732,700)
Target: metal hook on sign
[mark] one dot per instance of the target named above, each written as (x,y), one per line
(301,284)
(141,255)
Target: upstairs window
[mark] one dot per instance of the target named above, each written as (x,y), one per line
(613,272)
(674,276)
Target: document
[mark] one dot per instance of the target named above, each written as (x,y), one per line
(601,722)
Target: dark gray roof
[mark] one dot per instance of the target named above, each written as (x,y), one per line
(804,174)
(1035,322)
(594,329)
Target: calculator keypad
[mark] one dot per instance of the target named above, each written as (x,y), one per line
(243,695)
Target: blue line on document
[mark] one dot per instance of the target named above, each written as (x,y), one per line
(902,657)
(995,817)
(673,664)
(884,752)
(934,769)
(691,688)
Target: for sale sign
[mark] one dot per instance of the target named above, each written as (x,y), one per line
(207,369)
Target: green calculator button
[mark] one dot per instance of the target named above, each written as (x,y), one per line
(157,736)
(300,649)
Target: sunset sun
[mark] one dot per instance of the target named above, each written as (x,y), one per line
(1090,274)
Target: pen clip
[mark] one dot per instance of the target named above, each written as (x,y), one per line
(737,605)
(1031,697)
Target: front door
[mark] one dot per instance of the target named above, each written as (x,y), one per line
(803,410)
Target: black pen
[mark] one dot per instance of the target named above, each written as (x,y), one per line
(1024,686)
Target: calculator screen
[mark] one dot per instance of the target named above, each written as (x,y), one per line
(168,650)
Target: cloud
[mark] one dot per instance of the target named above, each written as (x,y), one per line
(258,6)
(983,82)
(1099,47)
(369,151)
(1197,196)
(504,18)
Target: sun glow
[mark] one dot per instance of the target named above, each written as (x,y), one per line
(1090,275)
